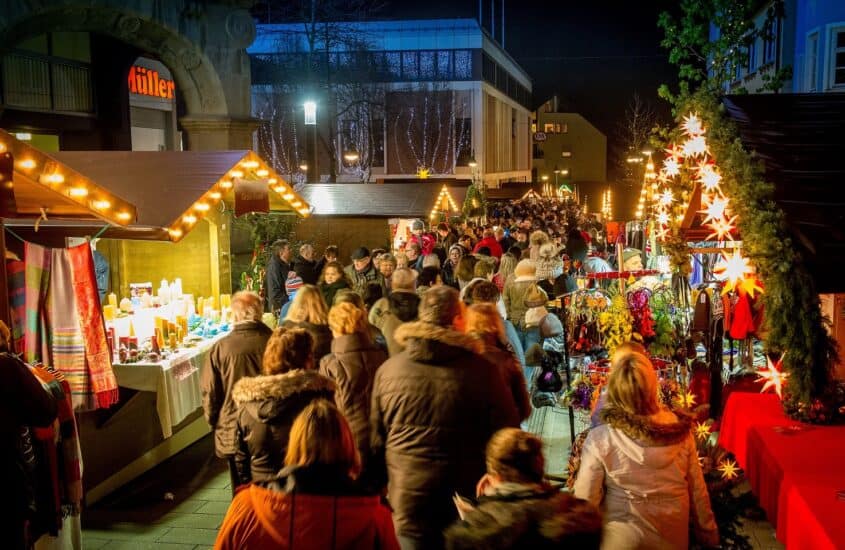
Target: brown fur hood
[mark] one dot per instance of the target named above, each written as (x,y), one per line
(428,343)
(645,428)
(548,520)
(280,386)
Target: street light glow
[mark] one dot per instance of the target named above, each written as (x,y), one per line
(310,113)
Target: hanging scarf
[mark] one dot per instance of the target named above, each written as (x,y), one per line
(37,276)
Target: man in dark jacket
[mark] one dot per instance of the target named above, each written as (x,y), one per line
(362,271)
(434,407)
(278,266)
(306,266)
(400,306)
(233,357)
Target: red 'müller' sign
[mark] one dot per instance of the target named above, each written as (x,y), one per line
(144,81)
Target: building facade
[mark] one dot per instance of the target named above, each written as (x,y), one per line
(567,148)
(127,74)
(395,100)
(807,37)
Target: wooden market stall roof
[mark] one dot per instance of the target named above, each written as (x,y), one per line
(800,140)
(171,190)
(44,187)
(387,200)
(513,191)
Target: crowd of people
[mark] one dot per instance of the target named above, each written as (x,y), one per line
(384,411)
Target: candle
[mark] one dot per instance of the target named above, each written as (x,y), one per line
(131,329)
(172,340)
(113,300)
(200,304)
(109,312)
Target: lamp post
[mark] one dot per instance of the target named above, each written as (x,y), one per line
(310,109)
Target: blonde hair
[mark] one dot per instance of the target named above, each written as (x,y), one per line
(624,349)
(483,320)
(346,318)
(321,435)
(247,306)
(516,456)
(507,265)
(308,306)
(288,349)
(632,384)
(483,269)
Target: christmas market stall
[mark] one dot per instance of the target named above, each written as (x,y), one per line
(350,215)
(164,284)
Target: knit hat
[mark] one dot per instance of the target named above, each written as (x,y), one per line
(417,225)
(293,283)
(535,297)
(525,268)
(360,253)
(547,261)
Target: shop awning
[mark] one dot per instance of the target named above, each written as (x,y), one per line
(45,187)
(383,200)
(172,190)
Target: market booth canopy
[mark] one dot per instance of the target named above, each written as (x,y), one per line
(43,186)
(387,200)
(173,190)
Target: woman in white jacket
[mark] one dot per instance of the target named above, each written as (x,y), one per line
(642,466)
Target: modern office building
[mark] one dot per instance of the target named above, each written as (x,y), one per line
(567,148)
(395,101)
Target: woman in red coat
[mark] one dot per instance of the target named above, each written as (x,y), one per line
(314,502)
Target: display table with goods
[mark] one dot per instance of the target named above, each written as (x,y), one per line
(159,344)
(794,469)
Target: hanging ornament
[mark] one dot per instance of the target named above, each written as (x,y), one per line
(773,376)
(692,125)
(733,269)
(729,469)
(715,208)
(702,430)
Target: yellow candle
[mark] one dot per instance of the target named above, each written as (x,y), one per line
(108,312)
(172,340)
(200,306)
(131,329)
(113,300)
(209,303)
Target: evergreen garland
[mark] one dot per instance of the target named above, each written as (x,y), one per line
(475,202)
(794,321)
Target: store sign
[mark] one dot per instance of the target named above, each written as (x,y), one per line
(539,136)
(251,196)
(144,81)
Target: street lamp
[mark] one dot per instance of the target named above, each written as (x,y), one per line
(351,156)
(310,108)
(472,162)
(557,171)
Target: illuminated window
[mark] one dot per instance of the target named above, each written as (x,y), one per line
(549,128)
(566,154)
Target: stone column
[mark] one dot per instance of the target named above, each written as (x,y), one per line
(218,133)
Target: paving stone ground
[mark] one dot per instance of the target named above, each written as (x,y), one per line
(141,515)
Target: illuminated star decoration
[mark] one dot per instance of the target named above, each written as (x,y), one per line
(715,210)
(729,469)
(666,197)
(671,167)
(692,125)
(773,375)
(685,400)
(663,218)
(722,229)
(695,147)
(702,430)
(709,177)
(423,173)
(733,269)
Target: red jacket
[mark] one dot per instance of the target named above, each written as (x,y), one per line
(262,519)
(492,244)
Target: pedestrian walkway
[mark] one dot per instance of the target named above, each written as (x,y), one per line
(180,504)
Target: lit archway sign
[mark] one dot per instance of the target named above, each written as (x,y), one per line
(148,82)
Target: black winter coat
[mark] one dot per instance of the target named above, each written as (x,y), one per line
(267,407)
(434,407)
(352,366)
(308,270)
(274,283)
(235,356)
(538,520)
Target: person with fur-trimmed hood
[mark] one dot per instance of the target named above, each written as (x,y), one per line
(538,238)
(642,465)
(268,404)
(517,509)
(434,407)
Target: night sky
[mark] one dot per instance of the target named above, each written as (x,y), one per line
(595,55)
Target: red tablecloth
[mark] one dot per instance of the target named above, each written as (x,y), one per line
(794,469)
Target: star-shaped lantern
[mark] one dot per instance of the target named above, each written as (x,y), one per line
(773,375)
(733,269)
(692,125)
(702,430)
(729,469)
(715,209)
(423,173)
(685,400)
(722,228)
(671,167)
(674,153)
(695,147)
(709,177)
